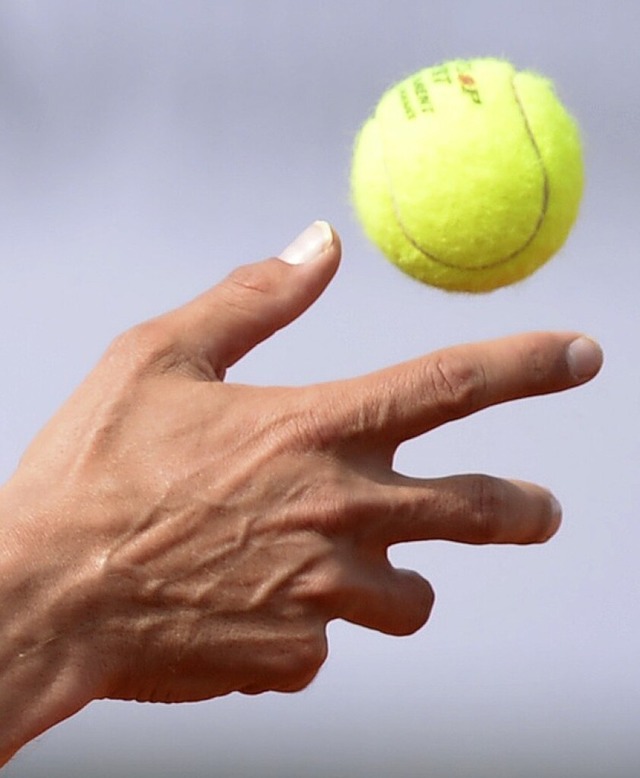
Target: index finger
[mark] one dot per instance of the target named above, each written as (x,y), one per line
(402,402)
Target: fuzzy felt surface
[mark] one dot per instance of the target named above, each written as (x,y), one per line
(469,175)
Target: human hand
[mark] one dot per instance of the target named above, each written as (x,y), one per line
(192,537)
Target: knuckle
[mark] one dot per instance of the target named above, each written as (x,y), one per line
(140,340)
(248,282)
(456,385)
(537,362)
(143,344)
(325,423)
(487,503)
(333,586)
(310,428)
(336,509)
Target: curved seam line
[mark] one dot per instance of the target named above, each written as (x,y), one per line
(520,249)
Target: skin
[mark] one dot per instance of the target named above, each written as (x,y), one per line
(170,536)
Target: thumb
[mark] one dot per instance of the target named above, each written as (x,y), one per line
(256,300)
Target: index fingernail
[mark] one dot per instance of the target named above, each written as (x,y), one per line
(584,357)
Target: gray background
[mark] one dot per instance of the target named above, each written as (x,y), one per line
(146,148)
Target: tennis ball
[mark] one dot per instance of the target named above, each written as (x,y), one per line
(468,175)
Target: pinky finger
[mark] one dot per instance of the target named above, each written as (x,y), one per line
(396,602)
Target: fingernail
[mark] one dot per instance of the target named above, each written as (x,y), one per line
(556,514)
(309,245)
(556,508)
(584,358)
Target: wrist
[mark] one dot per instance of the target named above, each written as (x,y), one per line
(45,665)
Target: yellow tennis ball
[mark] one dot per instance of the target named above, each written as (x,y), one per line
(469,174)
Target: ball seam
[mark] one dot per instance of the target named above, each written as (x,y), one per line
(523,247)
